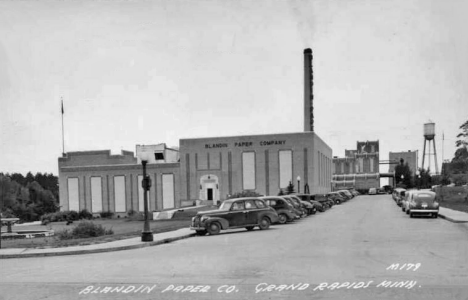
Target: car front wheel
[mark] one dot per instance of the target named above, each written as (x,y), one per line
(201,232)
(214,228)
(435,215)
(264,223)
(250,228)
(282,218)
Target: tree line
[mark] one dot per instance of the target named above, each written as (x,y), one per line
(28,197)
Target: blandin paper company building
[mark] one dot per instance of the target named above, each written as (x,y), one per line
(205,169)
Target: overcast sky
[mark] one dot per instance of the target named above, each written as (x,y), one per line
(148,72)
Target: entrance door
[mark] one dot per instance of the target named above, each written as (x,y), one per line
(209,195)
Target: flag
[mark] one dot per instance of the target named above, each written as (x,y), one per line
(62,108)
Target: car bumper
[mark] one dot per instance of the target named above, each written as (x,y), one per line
(423,211)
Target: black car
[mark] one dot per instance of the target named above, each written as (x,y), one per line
(283,208)
(235,213)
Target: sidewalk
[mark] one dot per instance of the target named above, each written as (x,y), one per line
(133,243)
(454,216)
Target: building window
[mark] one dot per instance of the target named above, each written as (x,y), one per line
(372,148)
(168,190)
(285,167)
(73,194)
(371,163)
(248,170)
(96,194)
(361,164)
(119,193)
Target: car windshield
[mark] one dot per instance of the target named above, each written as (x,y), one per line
(225,206)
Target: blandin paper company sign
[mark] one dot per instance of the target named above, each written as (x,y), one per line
(245,144)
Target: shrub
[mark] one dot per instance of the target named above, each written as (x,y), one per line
(106,214)
(84,229)
(65,234)
(85,214)
(73,215)
(244,194)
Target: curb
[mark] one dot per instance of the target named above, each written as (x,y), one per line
(450,219)
(77,252)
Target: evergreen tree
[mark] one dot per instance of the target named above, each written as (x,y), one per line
(290,188)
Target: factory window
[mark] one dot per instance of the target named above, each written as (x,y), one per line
(119,193)
(168,192)
(285,167)
(371,162)
(96,194)
(73,194)
(361,164)
(248,170)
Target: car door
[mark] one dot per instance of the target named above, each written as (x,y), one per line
(251,212)
(236,215)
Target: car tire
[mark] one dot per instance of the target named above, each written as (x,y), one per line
(214,228)
(201,232)
(407,211)
(264,223)
(435,216)
(282,218)
(402,209)
(410,215)
(249,228)
(338,202)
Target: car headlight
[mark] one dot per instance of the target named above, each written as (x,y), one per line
(204,218)
(436,204)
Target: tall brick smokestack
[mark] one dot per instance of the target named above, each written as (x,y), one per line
(308,91)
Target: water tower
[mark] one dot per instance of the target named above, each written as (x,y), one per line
(429,134)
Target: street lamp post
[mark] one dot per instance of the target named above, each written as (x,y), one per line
(298,184)
(146,234)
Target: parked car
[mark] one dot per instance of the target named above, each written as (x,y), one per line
(235,213)
(307,205)
(284,209)
(419,202)
(372,191)
(346,193)
(336,197)
(298,205)
(301,213)
(310,198)
(400,196)
(354,192)
(324,200)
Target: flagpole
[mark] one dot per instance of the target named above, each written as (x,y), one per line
(63,134)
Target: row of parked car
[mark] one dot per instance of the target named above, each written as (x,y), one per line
(416,202)
(263,211)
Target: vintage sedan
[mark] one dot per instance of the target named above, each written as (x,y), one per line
(310,199)
(309,207)
(421,203)
(235,213)
(336,197)
(298,209)
(283,208)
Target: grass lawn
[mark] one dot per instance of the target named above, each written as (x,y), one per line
(123,229)
(460,206)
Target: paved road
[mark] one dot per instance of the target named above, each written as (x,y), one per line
(344,253)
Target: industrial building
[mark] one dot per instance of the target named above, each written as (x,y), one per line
(206,170)
(359,168)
